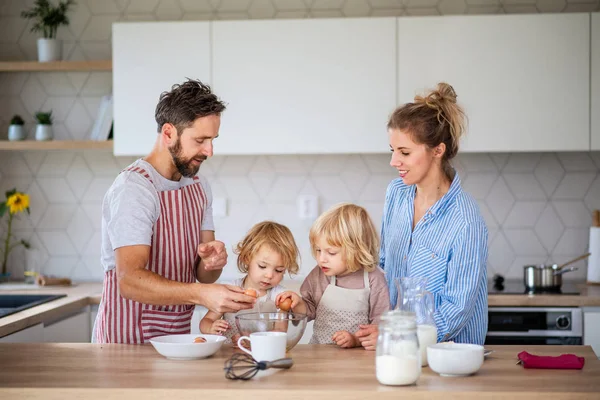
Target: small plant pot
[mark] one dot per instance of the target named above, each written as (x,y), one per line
(49,50)
(43,132)
(16,132)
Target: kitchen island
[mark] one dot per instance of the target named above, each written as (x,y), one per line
(93,371)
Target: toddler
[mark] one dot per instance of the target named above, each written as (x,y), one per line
(264,255)
(347,288)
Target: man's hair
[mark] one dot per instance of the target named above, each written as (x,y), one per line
(185,103)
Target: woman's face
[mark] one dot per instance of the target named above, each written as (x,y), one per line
(412,160)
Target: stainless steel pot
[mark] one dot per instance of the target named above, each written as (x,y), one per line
(544,277)
(547,277)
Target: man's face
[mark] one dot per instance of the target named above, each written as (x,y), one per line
(194,145)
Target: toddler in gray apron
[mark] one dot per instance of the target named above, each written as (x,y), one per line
(266,253)
(347,288)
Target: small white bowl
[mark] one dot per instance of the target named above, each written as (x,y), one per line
(182,347)
(455,359)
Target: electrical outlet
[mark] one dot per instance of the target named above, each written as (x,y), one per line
(308,207)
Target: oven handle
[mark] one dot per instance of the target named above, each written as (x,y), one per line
(537,333)
(573,310)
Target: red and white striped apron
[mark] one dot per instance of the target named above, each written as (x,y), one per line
(175,238)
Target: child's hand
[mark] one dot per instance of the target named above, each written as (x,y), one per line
(219,327)
(344,339)
(281,297)
(234,341)
(367,336)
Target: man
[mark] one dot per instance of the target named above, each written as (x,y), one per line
(159,251)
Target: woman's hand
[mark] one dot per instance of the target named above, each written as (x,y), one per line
(367,336)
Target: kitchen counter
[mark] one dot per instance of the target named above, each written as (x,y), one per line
(93,371)
(84,294)
(78,296)
(589,296)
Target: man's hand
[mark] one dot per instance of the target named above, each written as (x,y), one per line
(225,298)
(219,327)
(367,336)
(344,339)
(213,255)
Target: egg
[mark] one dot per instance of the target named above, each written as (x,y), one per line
(285,305)
(199,339)
(251,292)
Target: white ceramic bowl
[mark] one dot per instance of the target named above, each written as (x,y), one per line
(455,359)
(182,347)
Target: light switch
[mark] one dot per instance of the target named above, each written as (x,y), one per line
(308,207)
(219,206)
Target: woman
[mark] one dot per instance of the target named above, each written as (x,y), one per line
(431,227)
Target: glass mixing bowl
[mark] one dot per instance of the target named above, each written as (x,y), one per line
(293,324)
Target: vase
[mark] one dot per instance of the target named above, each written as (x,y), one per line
(49,50)
(43,132)
(16,132)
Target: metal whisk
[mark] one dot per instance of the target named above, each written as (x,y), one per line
(243,366)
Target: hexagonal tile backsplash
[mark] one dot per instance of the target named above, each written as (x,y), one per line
(537,206)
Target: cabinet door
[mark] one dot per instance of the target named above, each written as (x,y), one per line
(71,329)
(304,86)
(148,58)
(591,328)
(33,334)
(523,79)
(595,81)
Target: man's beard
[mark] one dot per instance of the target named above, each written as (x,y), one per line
(184,166)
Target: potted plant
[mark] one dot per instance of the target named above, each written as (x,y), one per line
(47,18)
(16,202)
(15,129)
(43,130)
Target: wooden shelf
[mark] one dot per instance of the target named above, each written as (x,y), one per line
(56,145)
(24,66)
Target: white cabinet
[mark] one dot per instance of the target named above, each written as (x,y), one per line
(591,328)
(33,334)
(595,81)
(304,86)
(74,328)
(523,79)
(148,58)
(93,315)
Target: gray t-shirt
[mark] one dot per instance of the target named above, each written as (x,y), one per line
(131,206)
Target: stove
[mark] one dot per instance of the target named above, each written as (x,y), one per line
(518,287)
(526,325)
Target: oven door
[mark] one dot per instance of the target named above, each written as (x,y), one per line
(535,326)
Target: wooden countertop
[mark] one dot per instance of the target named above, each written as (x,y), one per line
(93,371)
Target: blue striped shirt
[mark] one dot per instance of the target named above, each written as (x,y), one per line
(449,247)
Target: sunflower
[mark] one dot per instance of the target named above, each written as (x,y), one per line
(18,202)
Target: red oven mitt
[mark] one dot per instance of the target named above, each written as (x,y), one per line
(564,361)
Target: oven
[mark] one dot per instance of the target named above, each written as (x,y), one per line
(535,326)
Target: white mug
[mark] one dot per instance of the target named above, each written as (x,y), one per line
(265,346)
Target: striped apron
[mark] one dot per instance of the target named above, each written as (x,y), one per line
(176,235)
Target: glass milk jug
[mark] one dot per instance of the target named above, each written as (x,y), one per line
(413,297)
(408,290)
(397,360)
(426,328)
